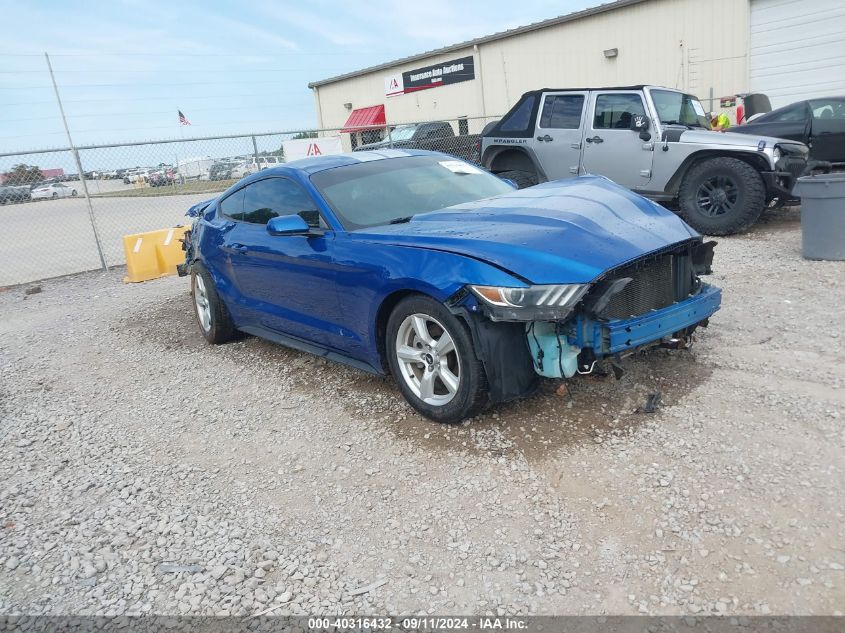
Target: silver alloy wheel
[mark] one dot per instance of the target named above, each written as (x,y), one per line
(203,307)
(428,359)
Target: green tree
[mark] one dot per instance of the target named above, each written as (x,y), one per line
(23,175)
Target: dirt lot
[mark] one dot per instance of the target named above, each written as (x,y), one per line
(142,470)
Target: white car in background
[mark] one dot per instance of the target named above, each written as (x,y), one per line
(252,166)
(53,191)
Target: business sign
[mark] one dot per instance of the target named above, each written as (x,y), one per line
(307,147)
(394,85)
(443,74)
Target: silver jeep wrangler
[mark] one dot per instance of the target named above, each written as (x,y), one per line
(656,141)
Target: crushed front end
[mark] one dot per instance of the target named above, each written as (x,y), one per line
(657,300)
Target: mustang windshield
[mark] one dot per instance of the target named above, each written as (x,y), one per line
(377,192)
(679,109)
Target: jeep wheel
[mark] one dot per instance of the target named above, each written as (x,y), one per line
(522,179)
(720,196)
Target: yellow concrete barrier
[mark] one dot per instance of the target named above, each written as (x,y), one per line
(153,254)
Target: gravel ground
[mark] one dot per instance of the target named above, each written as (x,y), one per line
(144,471)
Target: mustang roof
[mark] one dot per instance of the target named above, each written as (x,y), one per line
(322,163)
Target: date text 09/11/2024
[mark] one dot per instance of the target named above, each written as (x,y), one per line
(427,623)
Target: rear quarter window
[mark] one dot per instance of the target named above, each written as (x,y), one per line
(519,119)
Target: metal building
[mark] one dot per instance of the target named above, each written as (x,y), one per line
(712,48)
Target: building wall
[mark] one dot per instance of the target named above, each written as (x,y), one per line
(797,49)
(686,44)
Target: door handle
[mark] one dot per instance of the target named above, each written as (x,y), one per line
(239,248)
(595,139)
(546,138)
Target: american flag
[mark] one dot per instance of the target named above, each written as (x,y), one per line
(182,119)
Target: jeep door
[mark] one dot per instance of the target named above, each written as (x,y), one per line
(557,137)
(611,147)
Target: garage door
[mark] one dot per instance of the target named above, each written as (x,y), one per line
(797,49)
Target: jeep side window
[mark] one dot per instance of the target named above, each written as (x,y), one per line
(562,112)
(519,119)
(616,111)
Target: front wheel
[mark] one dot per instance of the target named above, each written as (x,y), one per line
(720,196)
(431,356)
(73,193)
(55,195)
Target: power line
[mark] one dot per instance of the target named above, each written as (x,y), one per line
(169,70)
(138,85)
(156,127)
(118,99)
(229,55)
(147,112)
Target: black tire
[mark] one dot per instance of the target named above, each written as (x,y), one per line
(472,392)
(55,195)
(522,179)
(220,328)
(73,193)
(721,196)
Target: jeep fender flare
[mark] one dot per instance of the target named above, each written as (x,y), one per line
(500,158)
(755,159)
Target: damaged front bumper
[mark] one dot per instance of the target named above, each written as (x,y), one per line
(562,350)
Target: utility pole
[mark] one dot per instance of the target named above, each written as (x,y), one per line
(78,166)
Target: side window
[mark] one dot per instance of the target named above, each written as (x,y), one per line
(233,206)
(616,111)
(273,197)
(790,114)
(562,112)
(518,120)
(828,109)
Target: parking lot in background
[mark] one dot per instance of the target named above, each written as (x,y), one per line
(54,237)
(131,486)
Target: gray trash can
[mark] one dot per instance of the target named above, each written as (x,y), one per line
(822,216)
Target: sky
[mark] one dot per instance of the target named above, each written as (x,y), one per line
(124,67)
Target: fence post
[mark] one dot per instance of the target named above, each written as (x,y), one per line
(389,136)
(255,153)
(78,168)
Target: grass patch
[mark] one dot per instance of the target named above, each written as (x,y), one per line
(186,188)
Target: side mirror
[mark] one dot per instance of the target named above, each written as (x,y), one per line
(287,225)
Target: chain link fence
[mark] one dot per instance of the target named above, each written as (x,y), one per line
(57,221)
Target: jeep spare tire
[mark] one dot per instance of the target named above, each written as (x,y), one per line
(720,196)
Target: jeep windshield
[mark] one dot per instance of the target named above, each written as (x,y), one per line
(677,108)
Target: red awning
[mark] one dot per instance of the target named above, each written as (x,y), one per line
(365,119)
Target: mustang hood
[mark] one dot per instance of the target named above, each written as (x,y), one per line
(558,232)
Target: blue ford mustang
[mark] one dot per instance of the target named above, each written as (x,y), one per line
(425,266)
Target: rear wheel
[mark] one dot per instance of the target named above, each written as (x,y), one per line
(212,315)
(73,193)
(55,195)
(720,196)
(522,179)
(431,357)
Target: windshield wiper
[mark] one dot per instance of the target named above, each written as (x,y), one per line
(401,220)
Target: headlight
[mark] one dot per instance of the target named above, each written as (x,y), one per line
(532,303)
(777,153)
